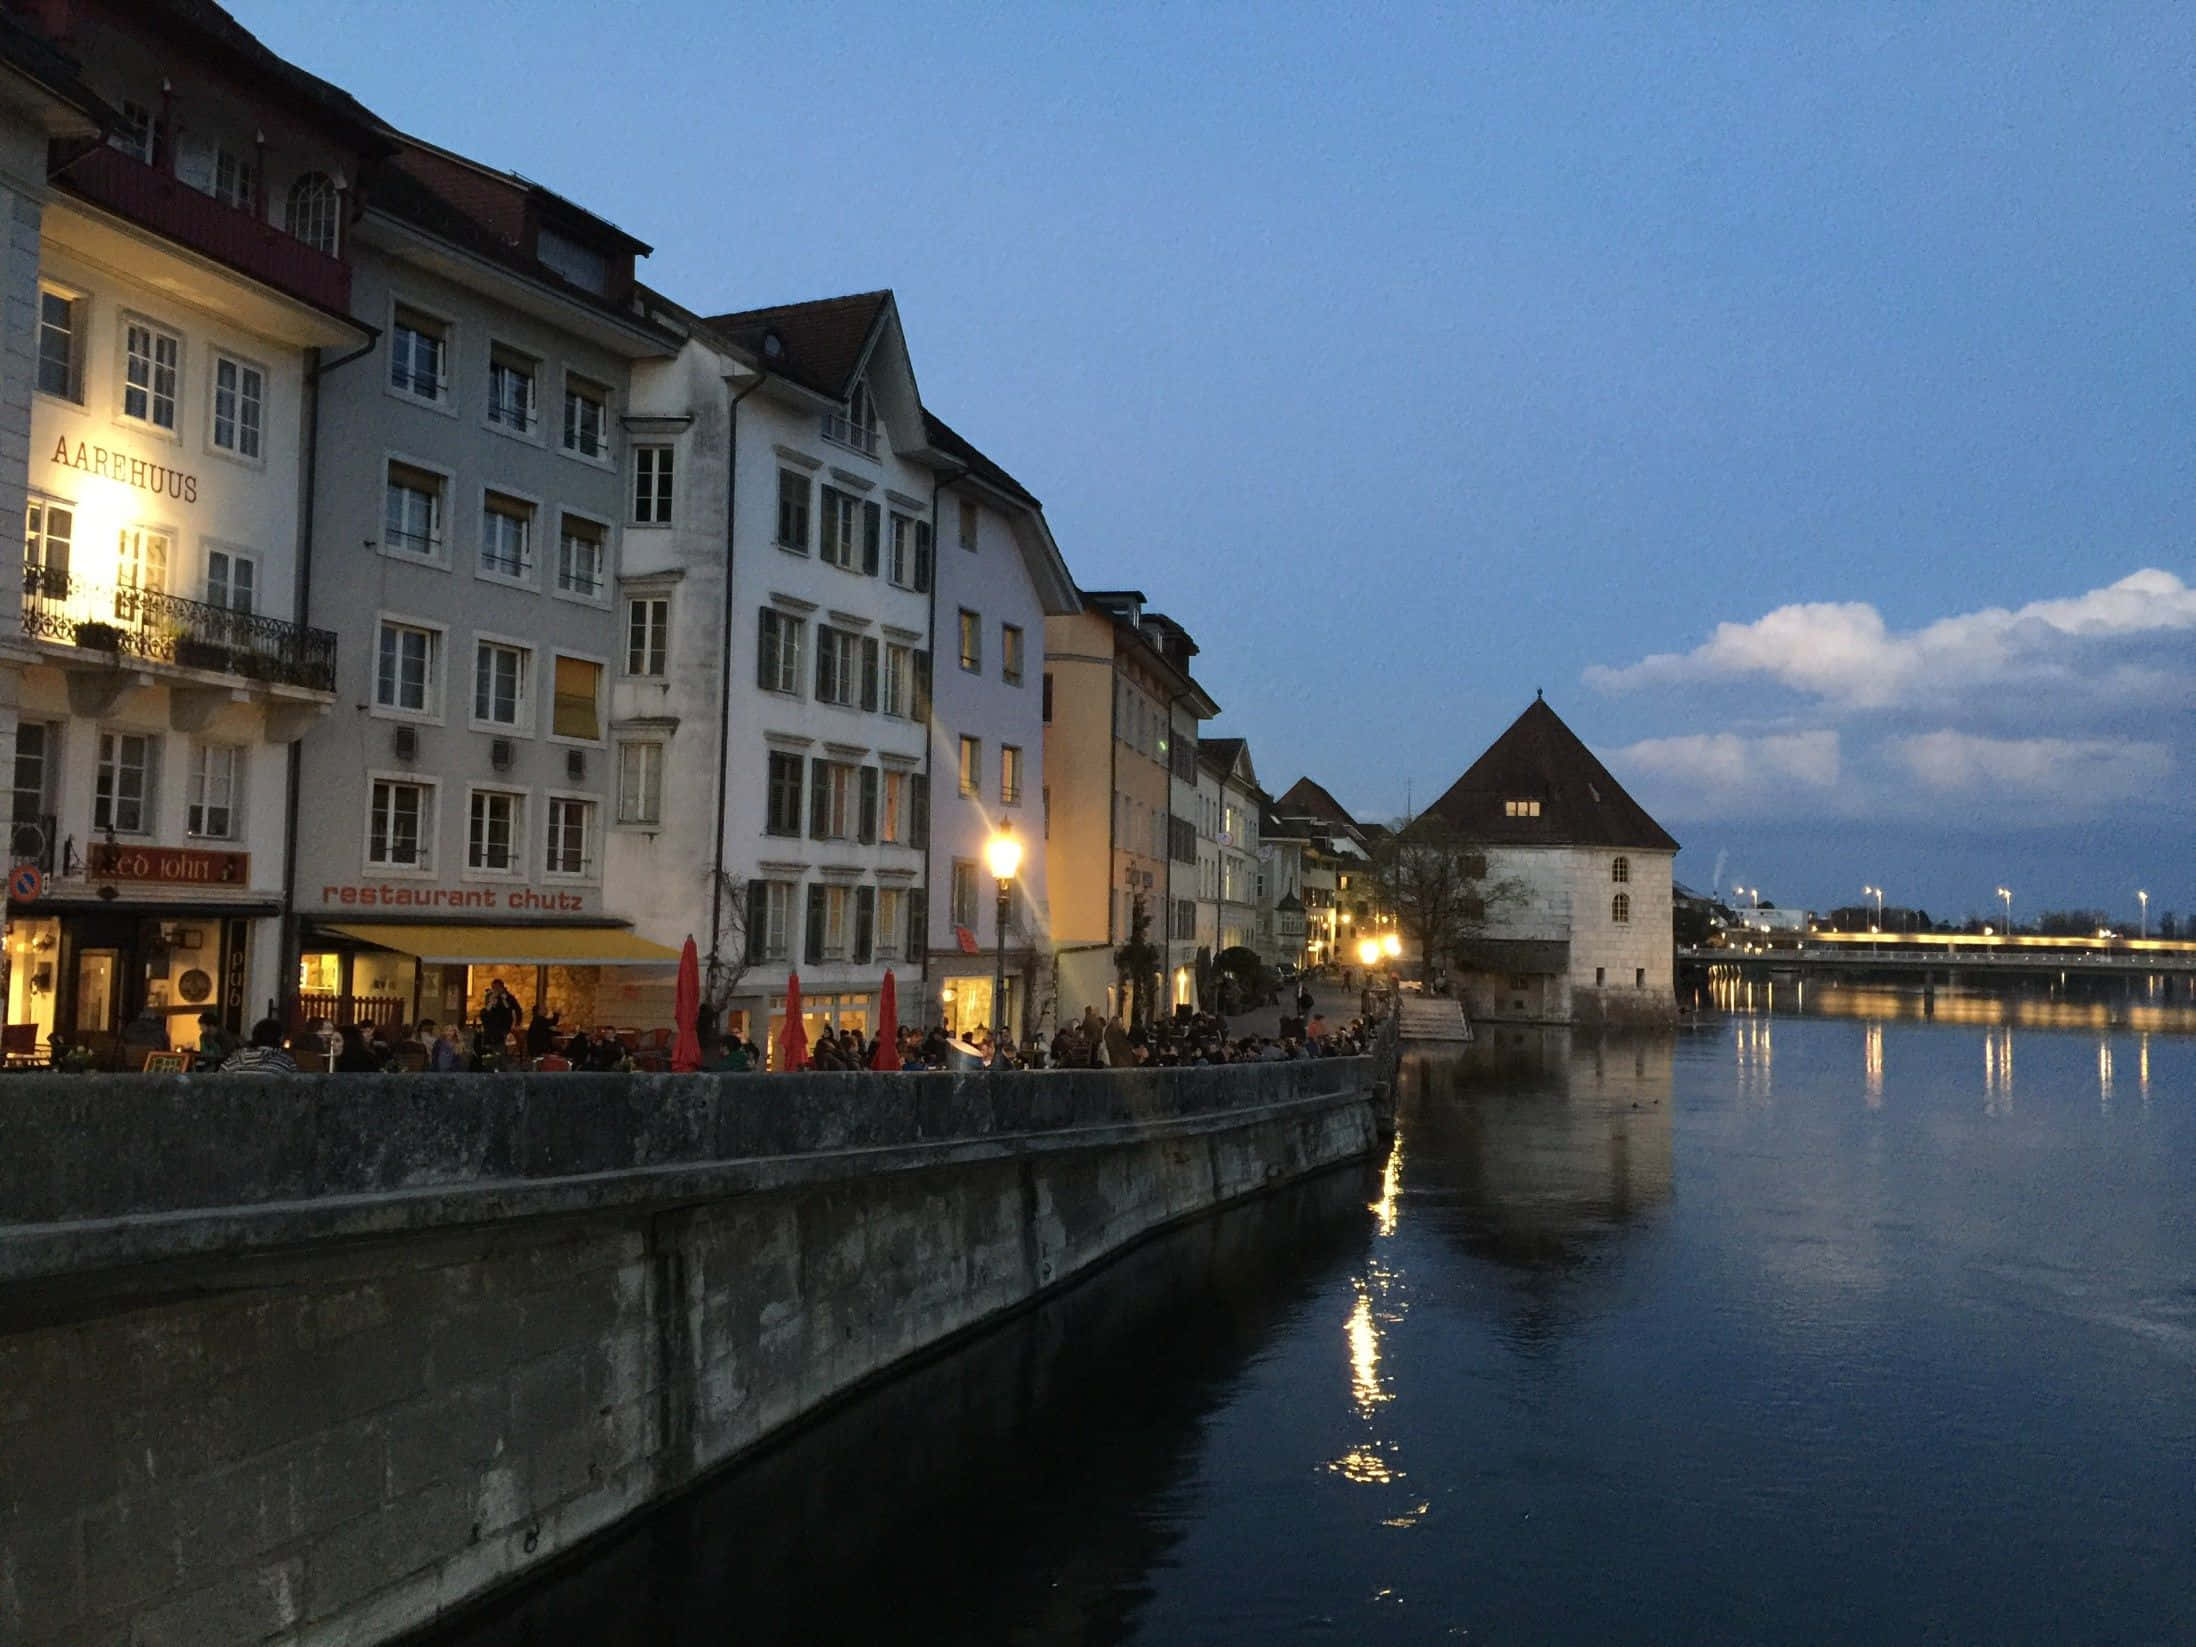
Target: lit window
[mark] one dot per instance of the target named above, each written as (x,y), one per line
(1010,775)
(577,712)
(972,641)
(238,408)
(149,374)
(972,766)
(1521,809)
(1010,654)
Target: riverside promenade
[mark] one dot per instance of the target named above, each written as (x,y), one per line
(313,1360)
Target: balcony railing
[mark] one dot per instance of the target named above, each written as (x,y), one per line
(144,194)
(162,628)
(844,431)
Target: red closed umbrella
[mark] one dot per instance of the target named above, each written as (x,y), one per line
(887,1055)
(686,1051)
(793,1039)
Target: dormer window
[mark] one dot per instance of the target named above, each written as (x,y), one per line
(235,181)
(1521,809)
(856,426)
(133,132)
(310,211)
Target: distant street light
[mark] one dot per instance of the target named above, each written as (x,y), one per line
(2143,898)
(2008,897)
(1875,892)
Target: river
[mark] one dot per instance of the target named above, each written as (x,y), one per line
(1791,1330)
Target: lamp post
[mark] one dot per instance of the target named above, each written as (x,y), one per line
(1003,855)
(1875,892)
(2008,898)
(2143,898)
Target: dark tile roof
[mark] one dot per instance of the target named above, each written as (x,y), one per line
(942,436)
(61,75)
(215,27)
(820,343)
(1220,751)
(1541,759)
(1304,798)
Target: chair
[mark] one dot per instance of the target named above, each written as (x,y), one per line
(19,1043)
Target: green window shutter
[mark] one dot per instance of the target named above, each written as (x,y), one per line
(869,806)
(870,656)
(758,921)
(872,537)
(815,946)
(919,811)
(922,557)
(865,923)
(819,799)
(766,650)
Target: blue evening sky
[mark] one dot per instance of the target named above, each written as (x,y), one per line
(1783,389)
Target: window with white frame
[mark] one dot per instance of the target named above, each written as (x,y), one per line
(586,418)
(1010,654)
(60,338)
(576,711)
(778,651)
(310,211)
(570,836)
(580,557)
(499,683)
(833,797)
(506,536)
(963,895)
(239,407)
(495,831)
(647,635)
(782,794)
(234,179)
(856,426)
(412,522)
(133,131)
(972,765)
(838,665)
(898,679)
(1521,809)
(770,921)
(1010,775)
(37,752)
(406,667)
(511,388)
(640,782)
(122,790)
(972,641)
(151,361)
(210,811)
(835,540)
(231,580)
(419,355)
(141,559)
(837,901)
(400,824)
(652,485)
(891,922)
(48,530)
(793,491)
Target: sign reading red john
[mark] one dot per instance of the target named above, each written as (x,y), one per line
(169,865)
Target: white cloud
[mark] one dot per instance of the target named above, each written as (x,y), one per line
(2075,772)
(1717,773)
(1844,653)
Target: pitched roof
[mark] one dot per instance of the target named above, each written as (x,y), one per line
(820,344)
(942,436)
(1540,759)
(217,29)
(1306,799)
(1220,751)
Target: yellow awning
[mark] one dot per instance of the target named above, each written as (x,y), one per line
(512,945)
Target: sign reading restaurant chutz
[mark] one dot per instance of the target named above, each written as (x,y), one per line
(371,896)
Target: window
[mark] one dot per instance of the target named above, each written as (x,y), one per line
(640,783)
(892,820)
(838,664)
(1048,697)
(1010,654)
(124,786)
(1010,775)
(1639,977)
(413,524)
(1620,907)
(972,766)
(856,426)
(579,557)
(238,407)
(900,567)
(647,635)
(401,824)
(972,641)
(150,359)
(827,922)
(652,485)
(492,838)
(37,748)
(211,810)
(1521,809)
(1185,918)
(1620,870)
(229,580)
(586,418)
(309,211)
(405,668)
(577,710)
(769,920)
(419,349)
(133,133)
(234,181)
(835,546)
(898,685)
(59,323)
(141,560)
(506,537)
(499,683)
(783,807)
(964,893)
(832,795)
(968,523)
(891,923)
(778,652)
(793,511)
(571,824)
(511,378)
(48,528)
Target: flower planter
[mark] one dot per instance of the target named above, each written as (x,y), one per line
(100,637)
(201,654)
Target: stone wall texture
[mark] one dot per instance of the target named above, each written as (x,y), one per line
(315,1360)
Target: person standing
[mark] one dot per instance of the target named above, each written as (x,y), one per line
(497,1014)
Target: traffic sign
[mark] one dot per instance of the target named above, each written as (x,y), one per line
(25,883)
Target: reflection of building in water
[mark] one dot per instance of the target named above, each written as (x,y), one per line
(1998,1072)
(2085,1004)
(1872,1066)
(1548,1139)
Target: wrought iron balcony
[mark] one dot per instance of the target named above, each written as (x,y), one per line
(157,627)
(146,195)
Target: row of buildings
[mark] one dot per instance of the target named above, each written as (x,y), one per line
(413,597)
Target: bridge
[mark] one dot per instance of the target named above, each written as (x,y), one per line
(1950,956)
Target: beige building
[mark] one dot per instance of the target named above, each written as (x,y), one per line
(1586,935)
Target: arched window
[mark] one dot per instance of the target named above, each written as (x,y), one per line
(1620,907)
(310,211)
(1620,871)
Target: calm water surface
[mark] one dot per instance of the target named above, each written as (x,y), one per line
(1801,1330)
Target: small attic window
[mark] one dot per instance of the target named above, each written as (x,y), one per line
(856,426)
(587,269)
(1521,809)
(773,345)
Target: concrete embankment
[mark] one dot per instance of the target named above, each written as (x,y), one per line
(313,1361)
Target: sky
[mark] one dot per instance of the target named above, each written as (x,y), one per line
(1800,396)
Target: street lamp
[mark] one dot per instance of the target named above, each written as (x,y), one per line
(1368,951)
(1392,945)
(1875,892)
(2143,898)
(1003,854)
(2008,897)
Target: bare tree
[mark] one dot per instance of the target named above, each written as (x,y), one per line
(1436,882)
(726,964)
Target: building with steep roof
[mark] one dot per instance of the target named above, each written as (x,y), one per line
(1335,866)
(1583,934)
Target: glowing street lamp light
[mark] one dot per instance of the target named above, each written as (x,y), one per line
(1392,945)
(2008,897)
(2143,898)
(1875,892)
(1368,951)
(1003,855)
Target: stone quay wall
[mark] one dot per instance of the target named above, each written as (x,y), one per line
(315,1360)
